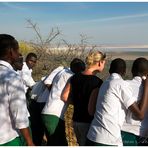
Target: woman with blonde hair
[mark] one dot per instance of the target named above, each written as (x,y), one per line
(79,89)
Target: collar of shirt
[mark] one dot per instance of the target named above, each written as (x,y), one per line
(115,76)
(26,67)
(137,78)
(6,64)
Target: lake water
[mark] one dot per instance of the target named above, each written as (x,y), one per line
(125,49)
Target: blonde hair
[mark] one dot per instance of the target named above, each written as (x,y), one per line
(94,57)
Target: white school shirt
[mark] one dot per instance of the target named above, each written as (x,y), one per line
(115,96)
(13,109)
(54,105)
(43,97)
(139,128)
(26,75)
(49,79)
(18,72)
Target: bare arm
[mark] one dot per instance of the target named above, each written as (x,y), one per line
(140,109)
(92,101)
(66,92)
(26,134)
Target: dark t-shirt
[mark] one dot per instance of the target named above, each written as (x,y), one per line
(82,86)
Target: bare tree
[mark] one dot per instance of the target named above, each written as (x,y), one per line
(43,45)
(51,55)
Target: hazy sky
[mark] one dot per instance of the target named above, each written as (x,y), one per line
(102,22)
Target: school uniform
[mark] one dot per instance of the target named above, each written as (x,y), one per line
(26,75)
(114,98)
(49,79)
(13,109)
(37,105)
(135,129)
(53,112)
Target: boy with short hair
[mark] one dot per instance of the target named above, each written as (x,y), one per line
(114,99)
(13,109)
(135,132)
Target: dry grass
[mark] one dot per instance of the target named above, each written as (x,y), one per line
(129,55)
(70,135)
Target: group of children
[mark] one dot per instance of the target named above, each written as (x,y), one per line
(113,112)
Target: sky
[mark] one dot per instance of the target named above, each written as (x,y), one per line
(121,23)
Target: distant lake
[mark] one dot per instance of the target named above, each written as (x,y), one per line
(126,53)
(125,49)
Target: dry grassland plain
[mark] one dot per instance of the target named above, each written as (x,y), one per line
(129,55)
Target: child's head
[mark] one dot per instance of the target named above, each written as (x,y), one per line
(9,48)
(118,66)
(31,60)
(140,67)
(77,65)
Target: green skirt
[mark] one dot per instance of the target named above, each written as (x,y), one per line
(55,128)
(129,139)
(14,142)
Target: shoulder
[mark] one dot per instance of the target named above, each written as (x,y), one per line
(76,77)
(13,79)
(13,75)
(63,75)
(97,79)
(116,82)
(123,87)
(16,77)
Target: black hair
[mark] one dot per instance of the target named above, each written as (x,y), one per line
(30,55)
(77,65)
(140,67)
(118,66)
(7,42)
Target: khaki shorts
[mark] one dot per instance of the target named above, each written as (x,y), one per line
(81,130)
